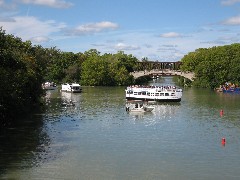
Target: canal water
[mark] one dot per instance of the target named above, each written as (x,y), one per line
(98,139)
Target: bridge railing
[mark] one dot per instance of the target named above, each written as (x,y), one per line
(188,75)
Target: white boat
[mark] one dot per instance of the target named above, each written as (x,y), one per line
(49,86)
(154,93)
(72,87)
(138,107)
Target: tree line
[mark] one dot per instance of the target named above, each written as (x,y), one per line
(24,67)
(214,66)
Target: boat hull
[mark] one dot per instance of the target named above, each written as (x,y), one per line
(50,88)
(72,91)
(158,100)
(231,90)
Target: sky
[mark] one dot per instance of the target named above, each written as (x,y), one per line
(160,30)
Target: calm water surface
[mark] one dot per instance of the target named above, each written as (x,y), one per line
(98,139)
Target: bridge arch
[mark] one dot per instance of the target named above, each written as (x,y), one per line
(150,65)
(152,68)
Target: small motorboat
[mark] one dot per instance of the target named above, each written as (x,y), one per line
(49,86)
(72,87)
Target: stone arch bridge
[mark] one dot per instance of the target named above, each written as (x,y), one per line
(155,69)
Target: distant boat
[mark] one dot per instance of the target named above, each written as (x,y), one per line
(231,90)
(72,87)
(49,86)
(228,89)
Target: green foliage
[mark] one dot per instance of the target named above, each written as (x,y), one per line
(214,66)
(107,70)
(20,77)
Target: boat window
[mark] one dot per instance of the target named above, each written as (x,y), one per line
(148,94)
(135,93)
(173,94)
(144,93)
(139,93)
(166,94)
(129,92)
(161,94)
(156,94)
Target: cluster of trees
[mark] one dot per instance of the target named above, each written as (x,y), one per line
(214,66)
(24,67)
(107,69)
(89,68)
(21,75)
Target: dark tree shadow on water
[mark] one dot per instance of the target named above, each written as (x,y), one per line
(23,145)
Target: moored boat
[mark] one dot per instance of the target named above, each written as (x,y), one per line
(231,90)
(49,86)
(72,87)
(228,88)
(154,93)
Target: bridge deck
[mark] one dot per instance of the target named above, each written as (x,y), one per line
(165,72)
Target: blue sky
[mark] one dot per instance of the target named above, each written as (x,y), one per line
(161,30)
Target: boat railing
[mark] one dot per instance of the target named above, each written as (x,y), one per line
(157,89)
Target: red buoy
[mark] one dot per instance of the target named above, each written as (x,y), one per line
(223,141)
(221,112)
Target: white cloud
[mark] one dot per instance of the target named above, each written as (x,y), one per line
(50,3)
(92,28)
(6,19)
(1,2)
(166,49)
(27,27)
(170,35)
(169,45)
(232,21)
(40,39)
(98,45)
(7,6)
(122,47)
(223,40)
(147,45)
(229,2)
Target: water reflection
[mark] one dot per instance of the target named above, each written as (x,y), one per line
(29,143)
(68,96)
(98,139)
(207,104)
(24,145)
(168,110)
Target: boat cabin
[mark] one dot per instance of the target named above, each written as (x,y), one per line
(71,87)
